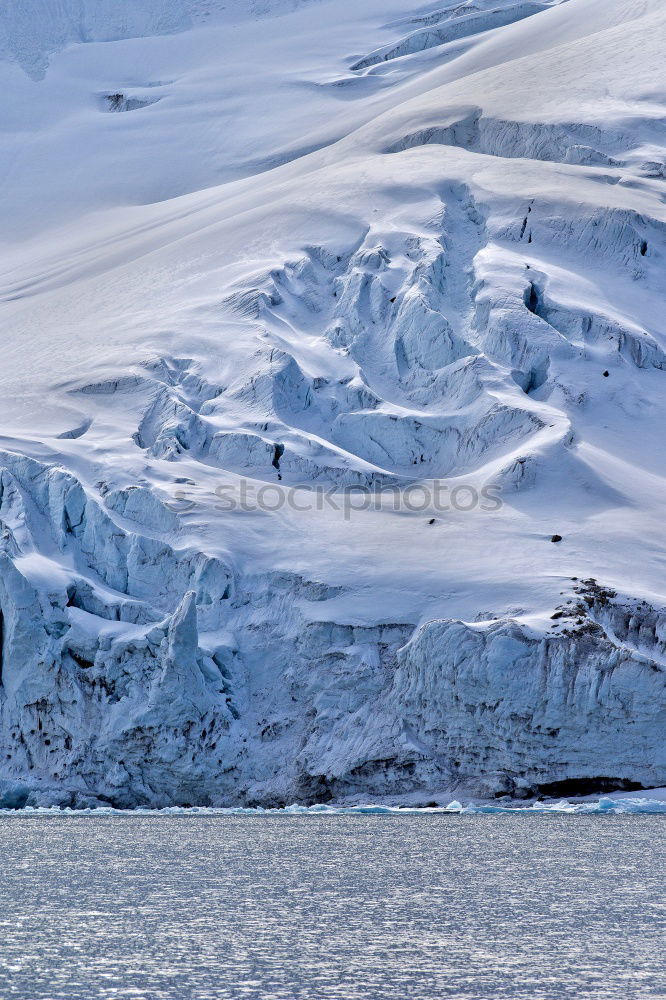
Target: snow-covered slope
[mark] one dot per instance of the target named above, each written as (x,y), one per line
(327,255)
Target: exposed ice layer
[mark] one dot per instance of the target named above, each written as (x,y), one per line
(457,274)
(498,699)
(448,25)
(32,30)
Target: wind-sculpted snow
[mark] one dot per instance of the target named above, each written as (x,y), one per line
(329,266)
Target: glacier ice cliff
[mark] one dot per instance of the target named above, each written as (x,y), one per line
(148,675)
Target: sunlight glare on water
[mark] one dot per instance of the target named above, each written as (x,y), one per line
(332,907)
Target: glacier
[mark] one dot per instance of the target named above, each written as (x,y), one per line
(317,249)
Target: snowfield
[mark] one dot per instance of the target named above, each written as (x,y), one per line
(306,252)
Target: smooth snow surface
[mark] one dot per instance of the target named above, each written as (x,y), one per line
(331,245)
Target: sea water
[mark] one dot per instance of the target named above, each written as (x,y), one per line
(323,906)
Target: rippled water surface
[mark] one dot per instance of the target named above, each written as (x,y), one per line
(337,907)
